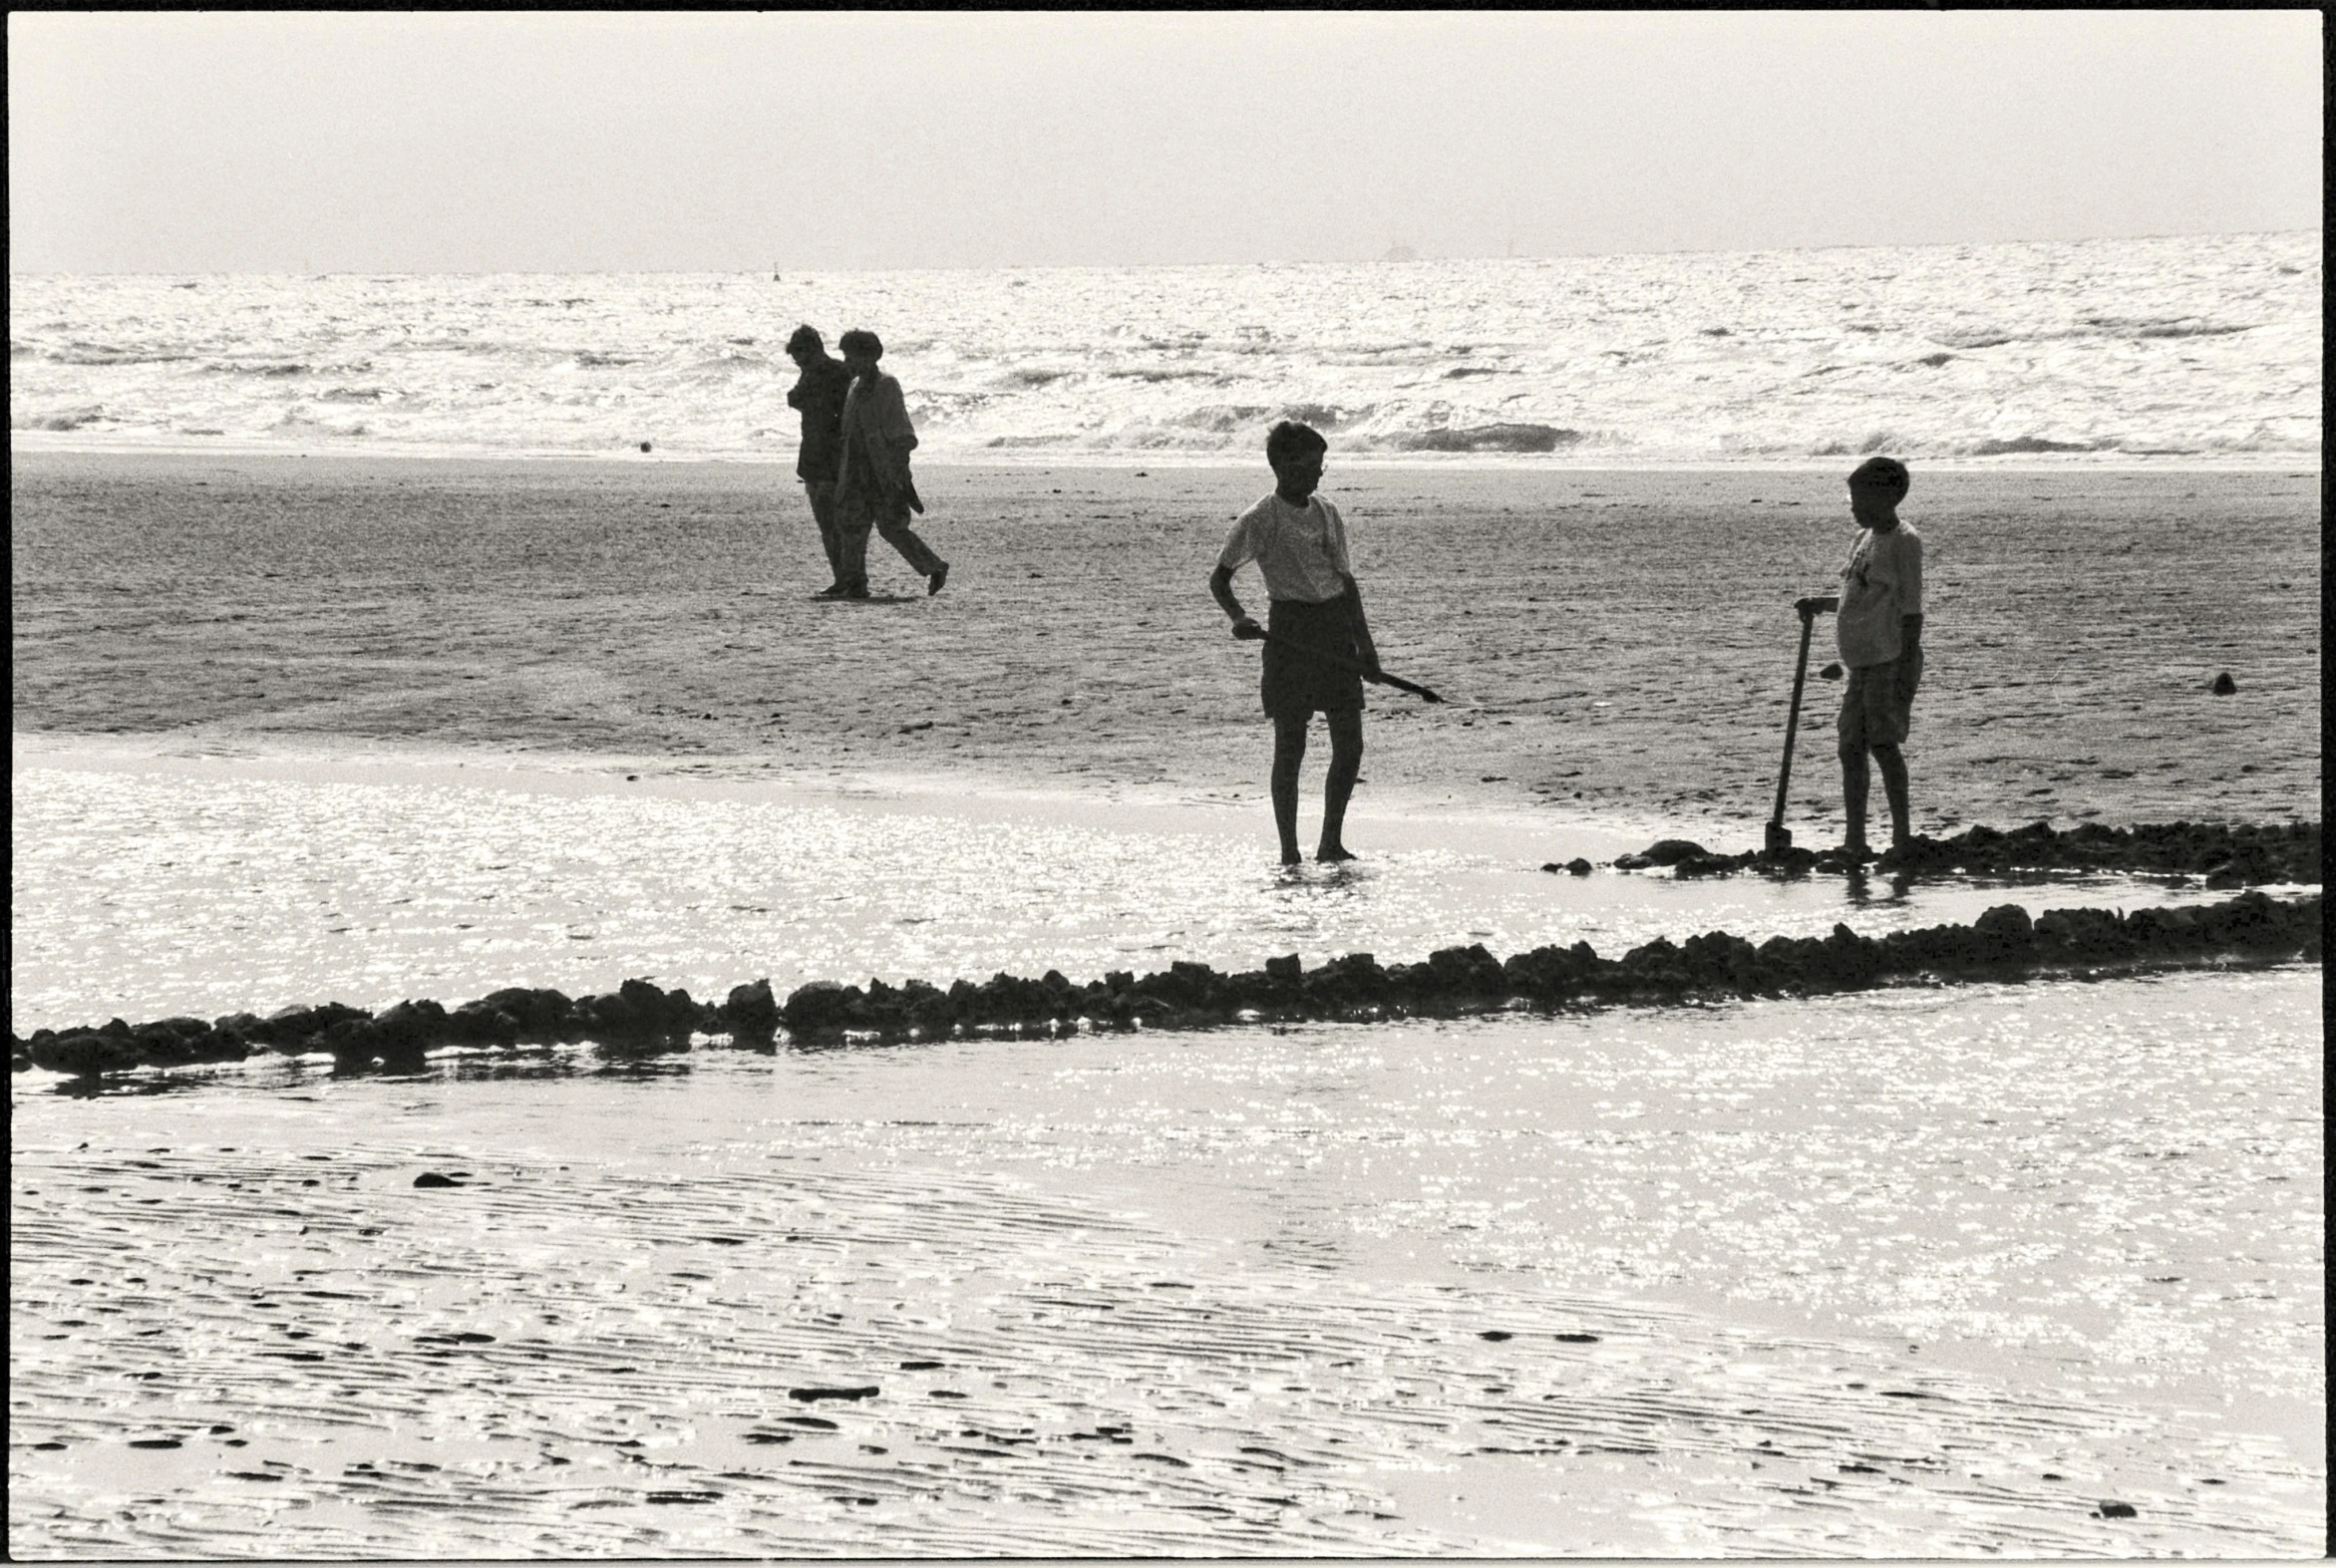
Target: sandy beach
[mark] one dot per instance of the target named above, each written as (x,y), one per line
(1932,1271)
(1621,642)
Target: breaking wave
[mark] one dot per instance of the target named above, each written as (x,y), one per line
(60,420)
(1485,437)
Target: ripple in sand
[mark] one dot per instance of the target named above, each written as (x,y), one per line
(573,1359)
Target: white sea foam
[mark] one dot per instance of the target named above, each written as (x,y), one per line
(2203,348)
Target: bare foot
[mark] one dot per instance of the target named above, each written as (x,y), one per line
(1292,858)
(1332,852)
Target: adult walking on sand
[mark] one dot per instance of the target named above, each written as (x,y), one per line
(1298,541)
(1878,629)
(872,484)
(819,392)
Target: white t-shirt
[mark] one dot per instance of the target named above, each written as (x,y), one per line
(1881,584)
(1300,550)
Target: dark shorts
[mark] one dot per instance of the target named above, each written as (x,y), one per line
(1293,681)
(1878,707)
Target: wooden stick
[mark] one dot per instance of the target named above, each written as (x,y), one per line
(1778,838)
(1381,676)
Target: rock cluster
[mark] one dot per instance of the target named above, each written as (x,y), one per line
(2225,856)
(1716,965)
(397,1037)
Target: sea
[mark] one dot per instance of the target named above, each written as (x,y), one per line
(2183,350)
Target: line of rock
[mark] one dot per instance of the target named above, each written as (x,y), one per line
(2003,943)
(2223,856)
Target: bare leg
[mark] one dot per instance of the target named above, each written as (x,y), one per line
(1346,763)
(1856,785)
(1289,750)
(1893,788)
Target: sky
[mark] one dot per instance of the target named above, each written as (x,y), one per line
(669,141)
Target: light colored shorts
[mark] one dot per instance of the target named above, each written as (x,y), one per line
(1877,707)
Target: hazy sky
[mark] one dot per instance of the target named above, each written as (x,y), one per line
(562,142)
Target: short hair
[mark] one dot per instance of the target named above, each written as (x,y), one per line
(862,341)
(1882,473)
(1289,439)
(806,339)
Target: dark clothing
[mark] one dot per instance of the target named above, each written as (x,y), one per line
(876,441)
(853,526)
(823,499)
(1296,683)
(1877,706)
(820,393)
(873,488)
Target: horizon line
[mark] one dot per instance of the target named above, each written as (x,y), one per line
(1091,266)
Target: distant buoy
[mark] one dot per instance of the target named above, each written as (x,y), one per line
(644,445)
(2223,684)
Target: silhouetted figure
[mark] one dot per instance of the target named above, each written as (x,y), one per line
(873,485)
(1878,628)
(820,393)
(1298,541)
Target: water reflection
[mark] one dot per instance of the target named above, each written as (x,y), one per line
(1862,893)
(148,896)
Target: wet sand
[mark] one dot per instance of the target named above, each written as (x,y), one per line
(1612,641)
(1933,1275)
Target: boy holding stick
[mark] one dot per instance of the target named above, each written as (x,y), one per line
(1298,541)
(1878,628)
